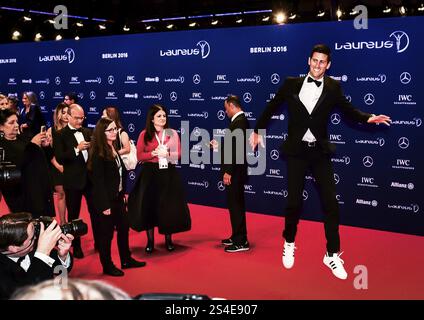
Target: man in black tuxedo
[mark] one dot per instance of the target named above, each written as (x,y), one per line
(27,258)
(71,150)
(234,173)
(310,101)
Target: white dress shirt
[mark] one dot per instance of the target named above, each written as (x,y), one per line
(309,95)
(26,262)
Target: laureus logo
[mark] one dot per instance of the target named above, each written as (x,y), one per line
(203,50)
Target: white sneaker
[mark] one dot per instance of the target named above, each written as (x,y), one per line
(288,254)
(336,265)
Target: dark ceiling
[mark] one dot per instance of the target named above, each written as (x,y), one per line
(132,12)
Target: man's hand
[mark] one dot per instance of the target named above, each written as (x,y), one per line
(213,144)
(380,119)
(83,145)
(256,139)
(107,212)
(227,179)
(64,245)
(48,237)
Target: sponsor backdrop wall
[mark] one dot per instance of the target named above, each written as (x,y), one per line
(378,170)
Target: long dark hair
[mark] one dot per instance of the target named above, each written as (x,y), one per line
(112,112)
(99,145)
(150,128)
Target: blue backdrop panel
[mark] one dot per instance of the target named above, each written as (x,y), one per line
(378,170)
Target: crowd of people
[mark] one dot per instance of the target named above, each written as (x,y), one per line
(72,161)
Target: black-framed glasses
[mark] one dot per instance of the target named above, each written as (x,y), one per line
(112,129)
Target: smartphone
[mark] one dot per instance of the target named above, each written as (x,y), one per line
(43,129)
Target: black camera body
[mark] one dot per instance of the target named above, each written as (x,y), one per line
(77,227)
(9,173)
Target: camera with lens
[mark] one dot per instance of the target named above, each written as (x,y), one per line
(9,173)
(77,227)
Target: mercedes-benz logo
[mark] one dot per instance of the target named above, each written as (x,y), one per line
(111,80)
(196,79)
(173,96)
(403,142)
(336,178)
(274,154)
(368,161)
(221,115)
(131,127)
(92,95)
(335,118)
(247,97)
(132,175)
(305,195)
(57,80)
(369,98)
(275,78)
(405,77)
(196,131)
(42,95)
(221,186)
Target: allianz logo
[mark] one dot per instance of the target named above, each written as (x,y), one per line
(344,159)
(342,78)
(202,49)
(380,78)
(400,41)
(131,95)
(415,208)
(204,184)
(27,81)
(69,56)
(253,79)
(44,81)
(372,203)
(278,117)
(204,114)
(282,193)
(96,80)
(197,166)
(220,98)
(277,137)
(151,79)
(379,141)
(180,79)
(409,186)
(414,122)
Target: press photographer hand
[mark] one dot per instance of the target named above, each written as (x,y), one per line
(64,245)
(49,237)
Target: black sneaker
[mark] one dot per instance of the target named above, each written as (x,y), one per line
(227,242)
(237,247)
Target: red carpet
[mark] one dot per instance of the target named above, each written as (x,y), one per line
(199,264)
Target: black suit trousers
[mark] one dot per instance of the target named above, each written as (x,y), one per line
(107,223)
(236,206)
(320,165)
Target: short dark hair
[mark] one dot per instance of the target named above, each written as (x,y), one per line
(321,48)
(13,229)
(234,100)
(72,96)
(5,114)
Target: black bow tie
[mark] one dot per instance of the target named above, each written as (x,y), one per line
(20,260)
(318,83)
(76,130)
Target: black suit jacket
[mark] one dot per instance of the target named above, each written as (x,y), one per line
(299,118)
(104,176)
(12,276)
(74,167)
(235,167)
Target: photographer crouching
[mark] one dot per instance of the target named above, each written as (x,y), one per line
(30,250)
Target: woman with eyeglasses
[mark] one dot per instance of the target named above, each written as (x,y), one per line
(157,199)
(60,120)
(108,175)
(31,189)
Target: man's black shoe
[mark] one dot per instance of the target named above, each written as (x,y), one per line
(227,242)
(132,263)
(78,254)
(237,247)
(113,271)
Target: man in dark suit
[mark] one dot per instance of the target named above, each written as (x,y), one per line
(71,150)
(310,101)
(28,257)
(234,173)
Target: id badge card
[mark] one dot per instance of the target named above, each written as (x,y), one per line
(163,163)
